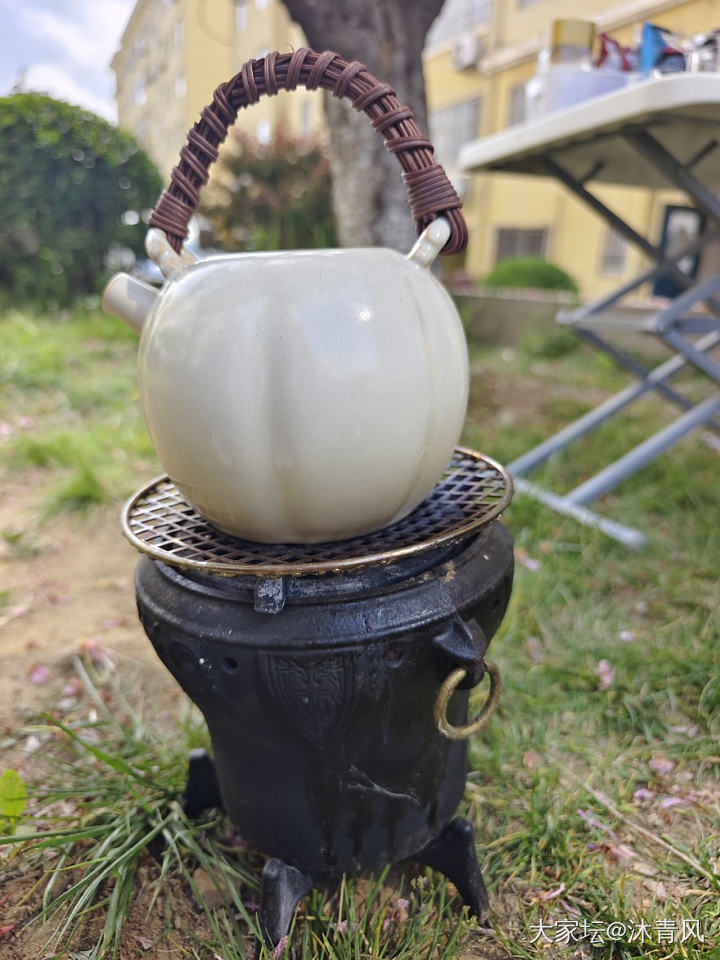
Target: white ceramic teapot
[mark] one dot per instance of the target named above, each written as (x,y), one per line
(299,396)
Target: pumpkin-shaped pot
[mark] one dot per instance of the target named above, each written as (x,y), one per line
(299,396)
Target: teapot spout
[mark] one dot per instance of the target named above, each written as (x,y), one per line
(129,299)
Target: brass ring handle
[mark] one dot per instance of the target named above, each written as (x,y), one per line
(446,691)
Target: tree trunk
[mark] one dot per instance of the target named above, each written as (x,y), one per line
(371,206)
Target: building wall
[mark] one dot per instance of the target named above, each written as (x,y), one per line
(262,26)
(173,55)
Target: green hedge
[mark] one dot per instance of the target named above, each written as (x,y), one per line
(531,273)
(73,188)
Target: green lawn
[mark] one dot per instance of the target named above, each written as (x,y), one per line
(595,791)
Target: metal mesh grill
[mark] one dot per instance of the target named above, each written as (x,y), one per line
(159,522)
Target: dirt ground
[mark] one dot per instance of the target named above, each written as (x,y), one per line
(73,592)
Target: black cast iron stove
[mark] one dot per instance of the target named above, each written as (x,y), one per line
(334,678)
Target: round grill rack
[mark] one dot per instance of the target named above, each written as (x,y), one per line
(159,522)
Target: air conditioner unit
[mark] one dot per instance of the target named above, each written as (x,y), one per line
(466,52)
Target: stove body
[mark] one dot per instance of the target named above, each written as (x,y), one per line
(318,693)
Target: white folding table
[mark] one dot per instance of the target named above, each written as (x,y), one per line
(661,133)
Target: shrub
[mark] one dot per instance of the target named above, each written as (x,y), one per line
(270,197)
(73,190)
(549,344)
(532,273)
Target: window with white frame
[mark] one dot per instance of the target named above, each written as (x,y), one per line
(457,17)
(516,106)
(452,127)
(520,242)
(614,254)
(139,91)
(241,14)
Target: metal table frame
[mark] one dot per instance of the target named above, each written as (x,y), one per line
(691,336)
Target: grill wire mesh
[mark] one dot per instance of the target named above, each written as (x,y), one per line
(159,522)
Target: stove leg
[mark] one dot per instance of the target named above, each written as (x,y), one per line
(283,887)
(453,854)
(201,790)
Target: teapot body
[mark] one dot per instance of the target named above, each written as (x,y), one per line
(304,396)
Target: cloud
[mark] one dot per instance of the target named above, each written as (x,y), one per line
(69,37)
(87,33)
(64,48)
(57,82)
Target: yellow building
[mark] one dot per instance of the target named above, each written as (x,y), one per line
(171,54)
(478,57)
(174,53)
(260,27)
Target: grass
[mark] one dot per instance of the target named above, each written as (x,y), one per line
(70,407)
(118,782)
(596,789)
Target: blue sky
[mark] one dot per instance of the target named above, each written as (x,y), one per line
(63,47)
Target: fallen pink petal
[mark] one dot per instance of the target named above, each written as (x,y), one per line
(100,656)
(39,674)
(402,909)
(689,731)
(643,795)
(531,759)
(280,947)
(606,674)
(661,766)
(73,687)
(16,611)
(593,821)
(112,622)
(534,647)
(552,894)
(59,599)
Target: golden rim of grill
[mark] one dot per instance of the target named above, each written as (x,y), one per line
(159,522)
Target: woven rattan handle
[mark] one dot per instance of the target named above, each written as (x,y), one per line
(430,192)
